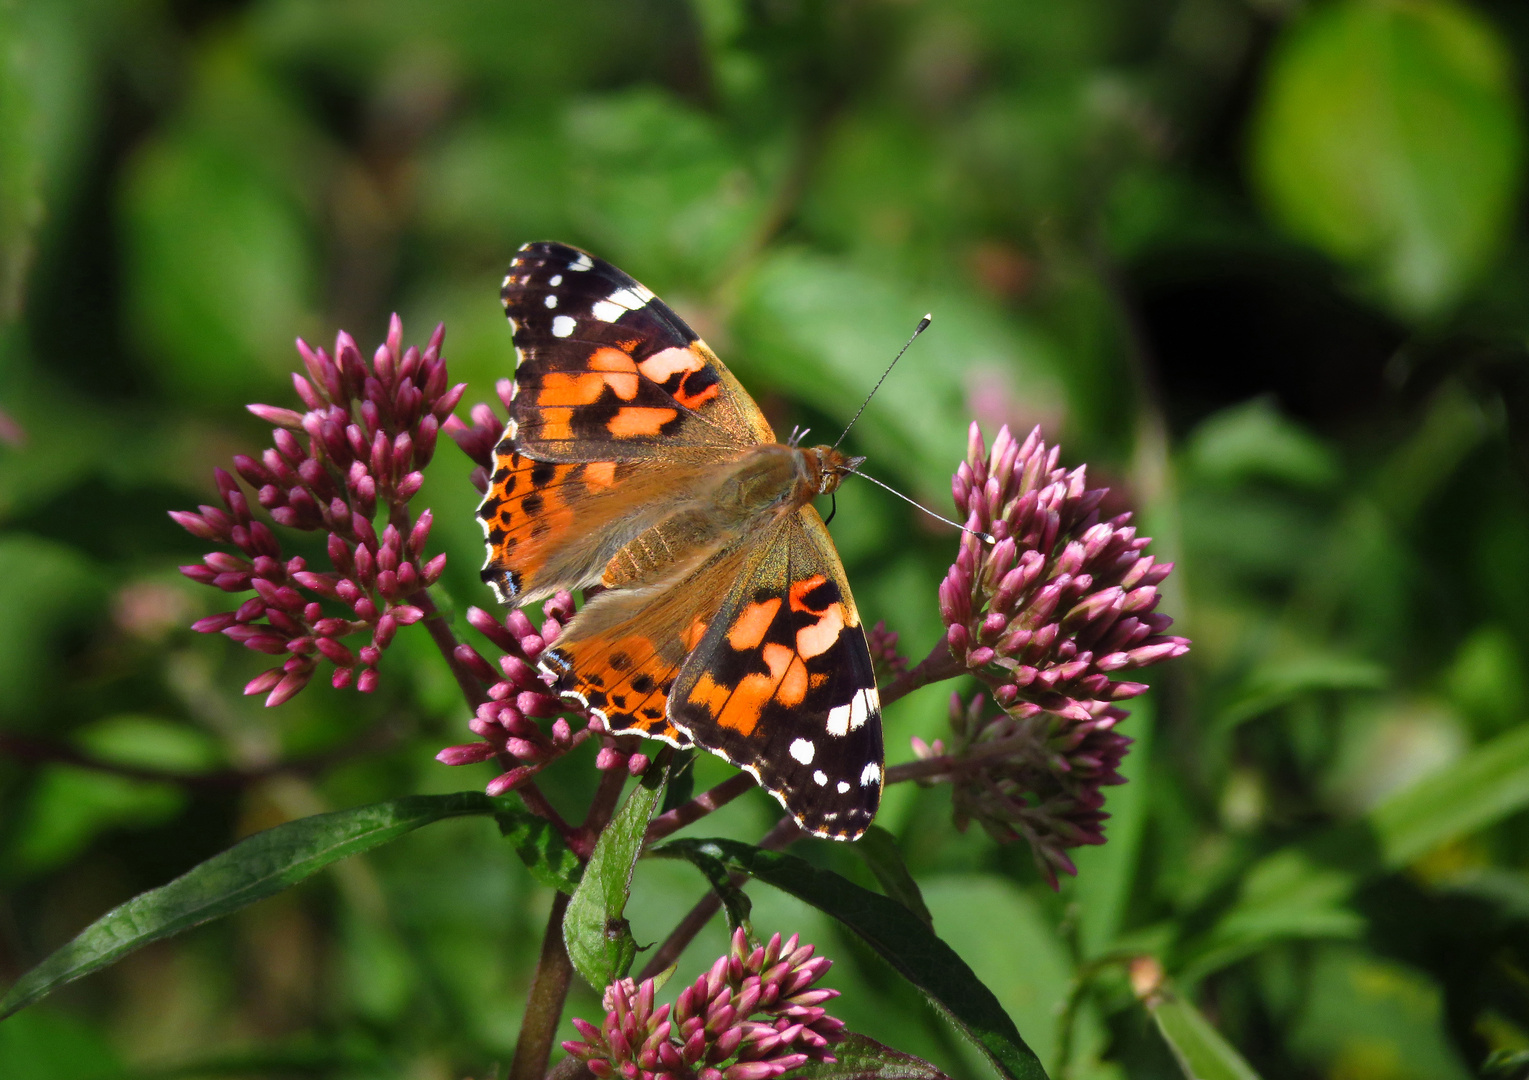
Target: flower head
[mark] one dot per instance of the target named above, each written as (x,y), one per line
(1048,617)
(369,428)
(709,1035)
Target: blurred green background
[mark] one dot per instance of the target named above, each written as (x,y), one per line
(1260,263)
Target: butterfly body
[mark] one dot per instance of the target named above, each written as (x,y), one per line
(635,461)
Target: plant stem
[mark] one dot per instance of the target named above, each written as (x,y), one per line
(939,664)
(785,833)
(440,632)
(698,807)
(949,763)
(544,1005)
(475,693)
(601,807)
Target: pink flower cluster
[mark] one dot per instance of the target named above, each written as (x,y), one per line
(708,1035)
(1048,617)
(517,697)
(368,430)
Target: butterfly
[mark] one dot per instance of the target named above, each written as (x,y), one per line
(634,460)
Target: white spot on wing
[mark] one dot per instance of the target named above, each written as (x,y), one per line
(838,719)
(562,326)
(551,300)
(841,787)
(820,778)
(606,311)
(581,263)
(871,776)
(555,280)
(803,750)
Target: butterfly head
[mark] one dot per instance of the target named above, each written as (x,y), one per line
(830,466)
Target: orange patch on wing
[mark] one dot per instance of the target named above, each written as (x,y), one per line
(555,425)
(661,365)
(817,639)
(643,420)
(620,371)
(748,630)
(600,474)
(741,707)
(560,389)
(800,589)
(696,400)
(521,549)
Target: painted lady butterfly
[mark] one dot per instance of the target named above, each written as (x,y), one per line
(634,460)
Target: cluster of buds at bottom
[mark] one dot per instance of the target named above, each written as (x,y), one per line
(358,450)
(1047,617)
(507,723)
(709,1034)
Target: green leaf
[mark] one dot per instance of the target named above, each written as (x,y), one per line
(20,165)
(1389,137)
(1107,871)
(861,1058)
(896,935)
(878,848)
(595,929)
(735,901)
(251,870)
(541,847)
(1303,890)
(1201,1051)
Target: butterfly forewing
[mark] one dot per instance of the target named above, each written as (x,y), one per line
(608,372)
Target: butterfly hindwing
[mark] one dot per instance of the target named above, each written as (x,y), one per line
(620,655)
(782,684)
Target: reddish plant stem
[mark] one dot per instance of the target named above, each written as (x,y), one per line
(544,1004)
(785,833)
(601,807)
(475,693)
(446,642)
(939,664)
(698,807)
(952,763)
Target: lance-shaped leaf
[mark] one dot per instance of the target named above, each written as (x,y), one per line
(861,1058)
(251,870)
(595,929)
(1201,1051)
(898,936)
(881,855)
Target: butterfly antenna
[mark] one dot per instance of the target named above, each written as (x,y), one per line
(923,324)
(988,537)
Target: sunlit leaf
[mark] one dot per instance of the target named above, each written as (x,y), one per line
(541,847)
(861,1058)
(251,870)
(595,929)
(897,935)
(1389,136)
